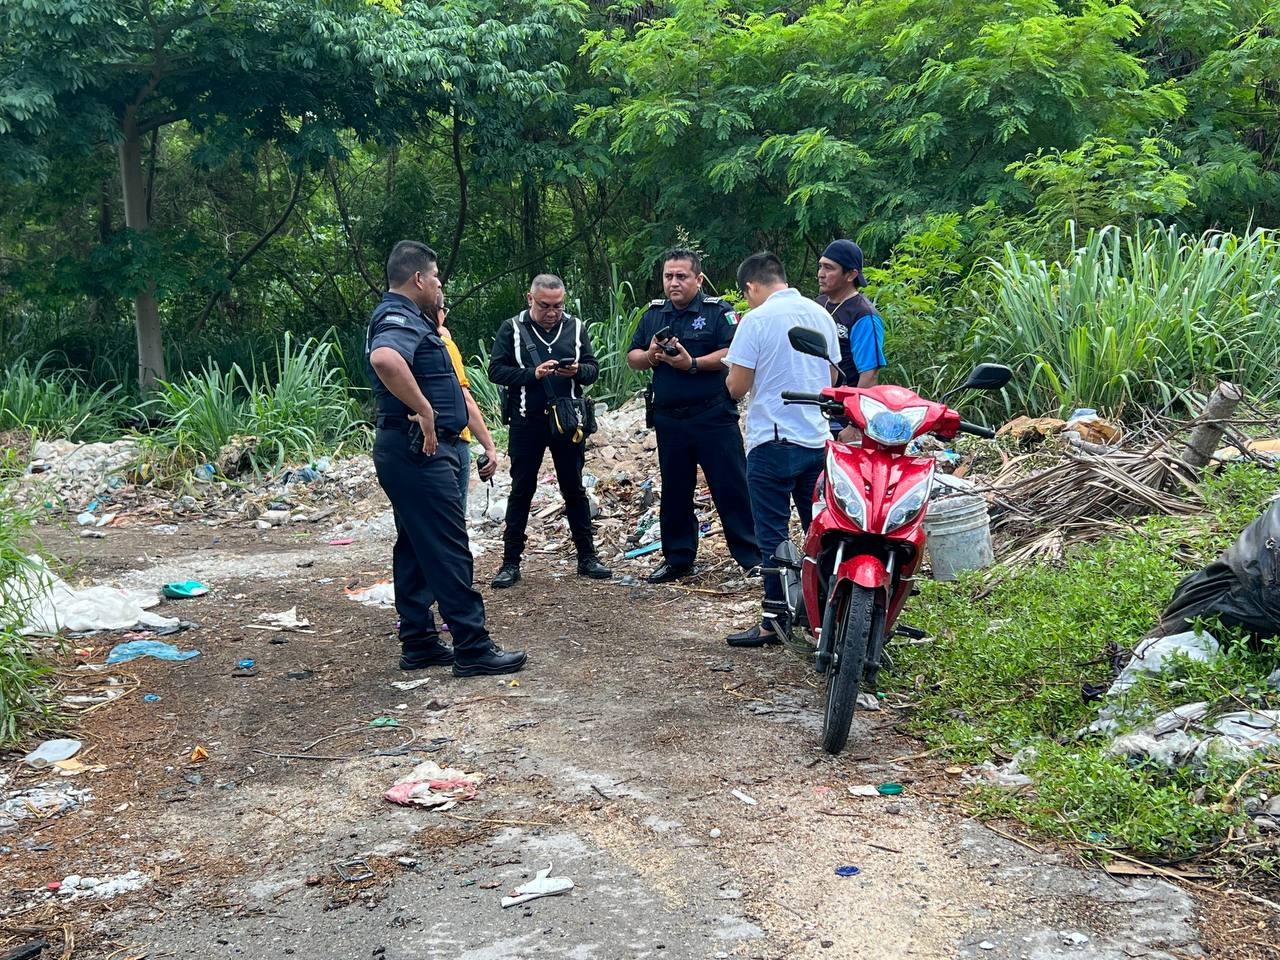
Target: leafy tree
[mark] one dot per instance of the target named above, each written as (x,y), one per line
(301,74)
(861,117)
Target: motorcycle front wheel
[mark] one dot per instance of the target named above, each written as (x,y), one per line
(855,619)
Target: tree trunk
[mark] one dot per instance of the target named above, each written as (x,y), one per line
(146,310)
(1208,431)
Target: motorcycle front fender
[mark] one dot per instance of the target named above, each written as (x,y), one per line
(864,570)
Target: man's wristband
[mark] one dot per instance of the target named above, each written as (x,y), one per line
(693,364)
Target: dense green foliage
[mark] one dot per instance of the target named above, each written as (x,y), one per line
(247,165)
(1014,647)
(302,405)
(25,706)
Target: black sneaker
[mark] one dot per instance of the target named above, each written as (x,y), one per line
(434,656)
(593,568)
(508,576)
(491,662)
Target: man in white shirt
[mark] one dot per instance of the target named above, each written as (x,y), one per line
(785,443)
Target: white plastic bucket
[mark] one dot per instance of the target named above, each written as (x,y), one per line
(959,533)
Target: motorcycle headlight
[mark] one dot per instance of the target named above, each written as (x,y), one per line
(845,493)
(893,428)
(909,507)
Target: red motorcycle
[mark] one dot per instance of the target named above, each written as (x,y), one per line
(867,532)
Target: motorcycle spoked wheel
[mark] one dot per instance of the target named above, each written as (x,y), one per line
(855,619)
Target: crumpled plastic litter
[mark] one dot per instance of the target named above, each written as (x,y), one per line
(1154,655)
(50,752)
(542,885)
(133,649)
(381,594)
(1187,736)
(286,619)
(42,801)
(1008,776)
(435,787)
(54,605)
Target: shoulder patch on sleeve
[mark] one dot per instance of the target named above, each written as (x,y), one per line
(731,318)
(657,303)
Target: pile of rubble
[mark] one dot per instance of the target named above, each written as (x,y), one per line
(103,485)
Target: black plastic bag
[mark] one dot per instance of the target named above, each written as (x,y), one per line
(1239,589)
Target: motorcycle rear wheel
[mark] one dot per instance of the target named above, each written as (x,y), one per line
(854,621)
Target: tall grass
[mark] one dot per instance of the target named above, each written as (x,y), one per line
(51,402)
(1137,320)
(25,706)
(483,390)
(611,337)
(301,406)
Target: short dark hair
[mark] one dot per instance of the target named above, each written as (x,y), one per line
(407,258)
(684,253)
(762,267)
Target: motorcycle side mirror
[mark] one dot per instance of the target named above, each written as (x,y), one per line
(985,376)
(812,343)
(988,376)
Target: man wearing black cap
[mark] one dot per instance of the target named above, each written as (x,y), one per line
(859,325)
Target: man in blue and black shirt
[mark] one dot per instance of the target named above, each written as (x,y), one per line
(858,323)
(417,452)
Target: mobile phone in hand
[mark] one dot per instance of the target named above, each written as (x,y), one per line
(567,362)
(662,336)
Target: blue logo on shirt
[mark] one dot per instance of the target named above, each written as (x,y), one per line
(700,323)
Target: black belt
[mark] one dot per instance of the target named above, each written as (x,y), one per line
(401,425)
(691,409)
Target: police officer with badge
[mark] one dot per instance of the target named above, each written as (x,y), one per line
(682,340)
(417,452)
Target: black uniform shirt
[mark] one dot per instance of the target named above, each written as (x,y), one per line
(399,324)
(706,325)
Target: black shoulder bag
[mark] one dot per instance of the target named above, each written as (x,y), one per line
(572,417)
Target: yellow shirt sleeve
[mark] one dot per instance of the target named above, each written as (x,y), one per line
(456,356)
(458,367)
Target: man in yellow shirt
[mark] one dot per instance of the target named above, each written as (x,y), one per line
(476,427)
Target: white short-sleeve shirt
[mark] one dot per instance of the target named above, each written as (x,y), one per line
(761,345)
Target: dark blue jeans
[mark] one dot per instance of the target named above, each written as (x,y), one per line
(778,474)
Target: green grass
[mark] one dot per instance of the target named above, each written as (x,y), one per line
(52,402)
(1134,320)
(25,705)
(297,407)
(1013,647)
(611,337)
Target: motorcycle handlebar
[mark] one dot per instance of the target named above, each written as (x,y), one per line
(977,430)
(796,395)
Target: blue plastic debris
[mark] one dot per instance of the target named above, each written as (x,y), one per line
(133,649)
(847,871)
(151,698)
(246,664)
(641,551)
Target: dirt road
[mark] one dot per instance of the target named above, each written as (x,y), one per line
(614,760)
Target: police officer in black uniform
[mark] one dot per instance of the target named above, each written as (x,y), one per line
(696,421)
(417,452)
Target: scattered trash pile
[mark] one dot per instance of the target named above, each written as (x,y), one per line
(105,485)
